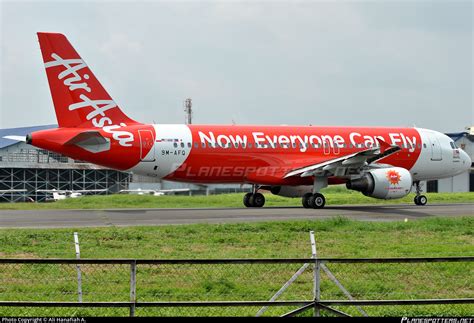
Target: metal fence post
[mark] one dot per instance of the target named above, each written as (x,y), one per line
(317,287)
(78,268)
(133,287)
(317,274)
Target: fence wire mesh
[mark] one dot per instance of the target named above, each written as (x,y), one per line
(234,281)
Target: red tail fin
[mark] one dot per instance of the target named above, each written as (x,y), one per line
(79,98)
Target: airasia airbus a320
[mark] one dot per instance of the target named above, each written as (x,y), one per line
(292,161)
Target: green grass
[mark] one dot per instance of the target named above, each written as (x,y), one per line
(337,237)
(334,196)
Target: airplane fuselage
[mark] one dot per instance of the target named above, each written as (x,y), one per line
(259,154)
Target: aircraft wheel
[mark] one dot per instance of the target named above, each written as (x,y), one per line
(247,199)
(422,200)
(257,200)
(305,200)
(317,201)
(416,200)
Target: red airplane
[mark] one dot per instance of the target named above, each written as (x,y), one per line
(292,161)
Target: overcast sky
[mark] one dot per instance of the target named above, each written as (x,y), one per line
(386,63)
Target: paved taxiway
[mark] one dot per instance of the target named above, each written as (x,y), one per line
(133,217)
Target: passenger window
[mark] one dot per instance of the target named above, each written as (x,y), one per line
(196,145)
(203,145)
(175,145)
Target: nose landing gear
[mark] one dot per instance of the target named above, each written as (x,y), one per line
(419,199)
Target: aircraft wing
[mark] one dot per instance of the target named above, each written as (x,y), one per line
(89,191)
(156,191)
(71,191)
(175,190)
(12,191)
(342,166)
(137,191)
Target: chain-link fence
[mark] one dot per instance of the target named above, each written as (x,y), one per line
(244,287)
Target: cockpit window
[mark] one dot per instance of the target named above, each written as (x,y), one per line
(453,145)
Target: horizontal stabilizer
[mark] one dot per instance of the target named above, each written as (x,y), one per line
(91,141)
(16,138)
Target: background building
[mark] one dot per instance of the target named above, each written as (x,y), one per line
(463,182)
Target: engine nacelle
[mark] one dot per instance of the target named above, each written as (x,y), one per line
(383,183)
(291,191)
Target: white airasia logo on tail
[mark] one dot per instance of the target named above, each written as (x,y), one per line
(97,116)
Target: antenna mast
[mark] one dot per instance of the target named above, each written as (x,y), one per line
(188,108)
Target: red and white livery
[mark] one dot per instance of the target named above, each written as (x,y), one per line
(292,161)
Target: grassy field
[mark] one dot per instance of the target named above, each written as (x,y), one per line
(334,196)
(335,238)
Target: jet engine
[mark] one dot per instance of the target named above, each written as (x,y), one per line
(291,191)
(383,183)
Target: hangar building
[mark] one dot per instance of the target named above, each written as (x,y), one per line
(463,182)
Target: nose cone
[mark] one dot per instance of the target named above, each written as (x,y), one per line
(466,161)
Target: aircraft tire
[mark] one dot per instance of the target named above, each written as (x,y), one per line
(422,200)
(317,201)
(247,199)
(257,200)
(305,200)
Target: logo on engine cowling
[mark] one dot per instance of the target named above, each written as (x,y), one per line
(393,177)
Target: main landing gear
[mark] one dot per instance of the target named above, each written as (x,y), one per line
(315,201)
(419,199)
(254,199)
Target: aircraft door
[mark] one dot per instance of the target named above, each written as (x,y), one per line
(436,153)
(147,145)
